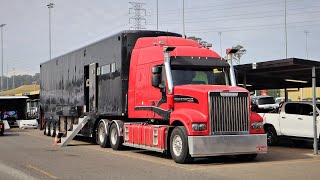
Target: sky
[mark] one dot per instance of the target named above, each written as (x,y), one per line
(257,25)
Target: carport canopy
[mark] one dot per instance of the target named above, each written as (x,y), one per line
(283,74)
(278,74)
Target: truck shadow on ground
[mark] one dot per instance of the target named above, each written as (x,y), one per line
(285,151)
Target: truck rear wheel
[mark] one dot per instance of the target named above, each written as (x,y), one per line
(56,128)
(51,127)
(102,136)
(45,131)
(272,137)
(115,140)
(179,145)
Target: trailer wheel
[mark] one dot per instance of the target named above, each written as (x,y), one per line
(2,130)
(57,131)
(102,137)
(51,129)
(272,137)
(45,131)
(179,145)
(115,140)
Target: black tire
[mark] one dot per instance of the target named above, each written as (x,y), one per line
(51,130)
(57,128)
(272,137)
(102,136)
(2,130)
(116,141)
(246,157)
(179,147)
(46,129)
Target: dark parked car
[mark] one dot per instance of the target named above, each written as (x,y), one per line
(1,128)
(264,103)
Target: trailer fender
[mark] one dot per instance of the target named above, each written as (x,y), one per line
(119,124)
(187,117)
(107,124)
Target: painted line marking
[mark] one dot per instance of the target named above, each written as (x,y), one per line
(42,171)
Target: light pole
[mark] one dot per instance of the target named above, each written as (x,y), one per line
(50,6)
(220,33)
(307,32)
(157,15)
(285,26)
(2,25)
(183,27)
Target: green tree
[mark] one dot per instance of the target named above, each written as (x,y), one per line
(237,56)
(199,40)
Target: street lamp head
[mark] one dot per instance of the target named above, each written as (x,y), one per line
(50,5)
(2,25)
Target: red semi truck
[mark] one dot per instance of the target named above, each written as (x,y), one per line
(151,90)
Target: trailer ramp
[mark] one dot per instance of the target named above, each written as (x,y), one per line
(75,130)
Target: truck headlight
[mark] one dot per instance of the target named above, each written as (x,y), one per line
(257,125)
(199,126)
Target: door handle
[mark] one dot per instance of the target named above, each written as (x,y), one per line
(283,117)
(300,118)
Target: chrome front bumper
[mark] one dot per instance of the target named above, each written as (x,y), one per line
(217,145)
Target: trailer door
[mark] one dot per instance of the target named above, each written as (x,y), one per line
(91,84)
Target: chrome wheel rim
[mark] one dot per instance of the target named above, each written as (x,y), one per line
(57,129)
(177,145)
(101,134)
(114,136)
(46,129)
(51,129)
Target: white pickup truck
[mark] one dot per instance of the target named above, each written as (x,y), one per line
(294,120)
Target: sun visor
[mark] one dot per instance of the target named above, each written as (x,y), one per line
(199,62)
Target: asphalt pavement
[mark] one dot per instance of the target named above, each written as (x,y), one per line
(28,154)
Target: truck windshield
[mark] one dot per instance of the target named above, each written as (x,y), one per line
(216,76)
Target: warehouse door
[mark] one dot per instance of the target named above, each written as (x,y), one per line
(90,88)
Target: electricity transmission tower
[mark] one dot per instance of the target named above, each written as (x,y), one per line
(139,14)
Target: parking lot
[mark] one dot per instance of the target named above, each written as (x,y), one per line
(27,154)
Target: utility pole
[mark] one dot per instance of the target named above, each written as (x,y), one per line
(183,26)
(138,17)
(285,26)
(157,15)
(13,71)
(307,53)
(2,25)
(50,6)
(220,33)
(7,77)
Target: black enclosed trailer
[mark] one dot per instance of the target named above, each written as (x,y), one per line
(13,108)
(71,85)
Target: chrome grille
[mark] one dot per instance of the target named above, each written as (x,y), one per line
(229,114)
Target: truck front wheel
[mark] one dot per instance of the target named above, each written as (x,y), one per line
(179,145)
(102,137)
(272,137)
(115,140)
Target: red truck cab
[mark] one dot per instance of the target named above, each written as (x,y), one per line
(176,81)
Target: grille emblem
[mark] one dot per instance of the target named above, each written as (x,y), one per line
(228,94)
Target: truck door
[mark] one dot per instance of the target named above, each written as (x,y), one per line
(297,120)
(90,90)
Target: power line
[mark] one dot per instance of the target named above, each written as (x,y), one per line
(138,16)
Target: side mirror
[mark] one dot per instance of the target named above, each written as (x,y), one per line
(156,76)
(254,107)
